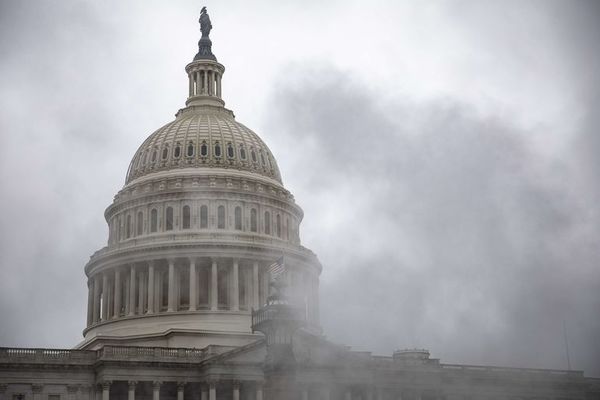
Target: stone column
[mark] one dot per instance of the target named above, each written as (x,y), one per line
(141,293)
(90,308)
(151,287)
(180,388)
(191,86)
(348,395)
(214,287)
(156,390)
(192,284)
(219,86)
(3,387)
(379,394)
(171,295)
(132,290)
(326,393)
(255,286)
(106,390)
(236,390)
(96,313)
(118,288)
(212,390)
(131,390)
(235,294)
(304,393)
(98,392)
(259,391)
(204,392)
(205,80)
(104,297)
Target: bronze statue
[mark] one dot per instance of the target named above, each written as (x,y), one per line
(205,25)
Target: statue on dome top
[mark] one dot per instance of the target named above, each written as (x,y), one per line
(205,25)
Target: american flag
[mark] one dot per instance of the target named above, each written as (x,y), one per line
(276,269)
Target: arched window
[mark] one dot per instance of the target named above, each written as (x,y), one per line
(177,151)
(217,150)
(238,218)
(229,150)
(119,229)
(203,217)
(278,225)
(242,152)
(204,149)
(253,220)
(169,219)
(221,217)
(262,158)
(154,156)
(153,220)
(267,223)
(186,219)
(165,153)
(140,223)
(128,227)
(190,149)
(253,154)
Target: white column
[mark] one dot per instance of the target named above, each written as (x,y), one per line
(106,390)
(235,295)
(104,296)
(193,284)
(259,391)
(180,387)
(171,295)
(191,86)
(141,293)
(212,391)
(214,287)
(236,390)
(132,290)
(255,286)
(117,294)
(96,313)
(131,391)
(156,390)
(219,86)
(90,309)
(204,392)
(151,287)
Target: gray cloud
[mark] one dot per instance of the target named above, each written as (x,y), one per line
(449,230)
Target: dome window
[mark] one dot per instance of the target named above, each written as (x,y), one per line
(221,217)
(253,155)
(242,152)
(203,217)
(140,223)
(229,150)
(253,220)
(153,220)
(190,150)
(217,150)
(267,223)
(154,154)
(204,149)
(165,153)
(238,218)
(128,227)
(169,219)
(278,225)
(262,158)
(186,219)
(177,152)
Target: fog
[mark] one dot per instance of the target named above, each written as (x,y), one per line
(445,155)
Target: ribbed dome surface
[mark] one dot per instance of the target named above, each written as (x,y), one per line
(203,137)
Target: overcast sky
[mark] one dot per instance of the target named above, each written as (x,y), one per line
(445,153)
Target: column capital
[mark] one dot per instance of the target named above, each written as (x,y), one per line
(131,384)
(72,389)
(236,383)
(156,384)
(212,383)
(192,260)
(151,263)
(105,385)
(181,385)
(35,388)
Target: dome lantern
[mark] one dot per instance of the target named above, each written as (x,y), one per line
(204,73)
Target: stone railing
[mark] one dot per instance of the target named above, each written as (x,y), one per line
(129,353)
(509,370)
(24,355)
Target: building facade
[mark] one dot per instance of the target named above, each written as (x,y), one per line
(183,302)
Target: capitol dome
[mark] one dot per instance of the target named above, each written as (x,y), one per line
(196,232)
(203,136)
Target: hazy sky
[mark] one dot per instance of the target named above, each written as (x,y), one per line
(445,153)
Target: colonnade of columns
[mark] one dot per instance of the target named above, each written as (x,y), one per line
(204,82)
(176,285)
(210,390)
